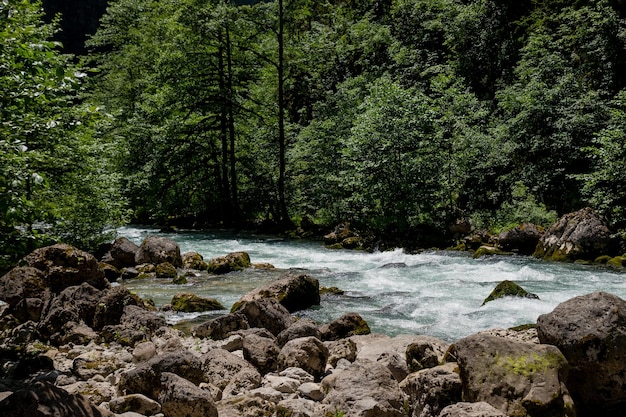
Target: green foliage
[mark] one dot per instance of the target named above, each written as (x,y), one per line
(54,180)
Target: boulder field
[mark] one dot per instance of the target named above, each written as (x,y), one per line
(73,344)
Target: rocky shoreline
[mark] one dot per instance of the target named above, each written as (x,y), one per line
(73,344)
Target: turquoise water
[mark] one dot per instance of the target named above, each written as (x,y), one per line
(433,293)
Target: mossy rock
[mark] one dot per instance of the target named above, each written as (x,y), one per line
(602,259)
(335,246)
(180,280)
(331,291)
(191,303)
(508,289)
(488,251)
(235,261)
(617,262)
(166,270)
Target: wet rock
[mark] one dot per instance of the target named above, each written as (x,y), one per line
(165,270)
(193,260)
(431,390)
(156,250)
(516,378)
(364,388)
(508,289)
(590,330)
(578,235)
(235,261)
(219,328)
(189,303)
(121,254)
(307,353)
(294,292)
(349,324)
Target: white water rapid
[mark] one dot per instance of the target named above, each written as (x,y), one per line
(432,293)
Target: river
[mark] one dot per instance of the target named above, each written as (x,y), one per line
(436,293)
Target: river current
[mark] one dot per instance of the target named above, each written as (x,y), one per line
(436,293)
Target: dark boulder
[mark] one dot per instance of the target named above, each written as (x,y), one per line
(219,328)
(110,307)
(189,303)
(508,289)
(235,261)
(294,291)
(121,254)
(21,283)
(579,235)
(156,250)
(266,313)
(522,239)
(349,324)
(590,330)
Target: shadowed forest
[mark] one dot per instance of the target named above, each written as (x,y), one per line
(397,116)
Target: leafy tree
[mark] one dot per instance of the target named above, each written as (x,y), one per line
(54,176)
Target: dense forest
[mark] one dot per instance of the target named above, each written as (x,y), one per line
(397,116)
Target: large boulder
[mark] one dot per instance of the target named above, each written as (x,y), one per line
(225,369)
(235,261)
(522,239)
(266,313)
(64,266)
(193,260)
(364,388)
(156,250)
(294,291)
(43,399)
(350,324)
(220,327)
(121,254)
(578,235)
(431,390)
(308,353)
(180,398)
(520,379)
(508,289)
(21,283)
(110,307)
(262,352)
(190,303)
(590,330)
(302,328)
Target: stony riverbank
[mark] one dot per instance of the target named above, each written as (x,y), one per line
(72,344)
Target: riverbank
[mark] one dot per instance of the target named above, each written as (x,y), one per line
(76,344)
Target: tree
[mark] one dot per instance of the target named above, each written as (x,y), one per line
(54,175)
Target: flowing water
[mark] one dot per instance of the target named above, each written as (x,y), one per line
(434,293)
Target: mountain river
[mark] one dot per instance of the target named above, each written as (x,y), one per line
(436,293)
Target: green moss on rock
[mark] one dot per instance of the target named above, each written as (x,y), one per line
(508,289)
(190,303)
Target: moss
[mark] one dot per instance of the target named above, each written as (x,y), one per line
(523,327)
(335,246)
(602,259)
(237,306)
(188,303)
(508,289)
(331,290)
(616,262)
(528,365)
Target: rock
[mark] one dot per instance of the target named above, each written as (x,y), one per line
(349,324)
(301,328)
(425,352)
(488,250)
(156,250)
(144,352)
(223,368)
(130,273)
(146,377)
(166,270)
(308,353)
(110,306)
(21,283)
(28,309)
(294,292)
(139,318)
(111,273)
(578,235)
(135,402)
(243,382)
(508,289)
(364,388)
(94,362)
(181,398)
(219,328)
(189,303)
(431,390)
(266,313)
(73,304)
(245,406)
(590,330)
(193,260)
(341,349)
(235,261)
(479,409)
(43,399)
(522,239)
(96,390)
(282,384)
(122,253)
(312,391)
(517,378)
(297,373)
(262,352)
(65,266)
(299,407)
